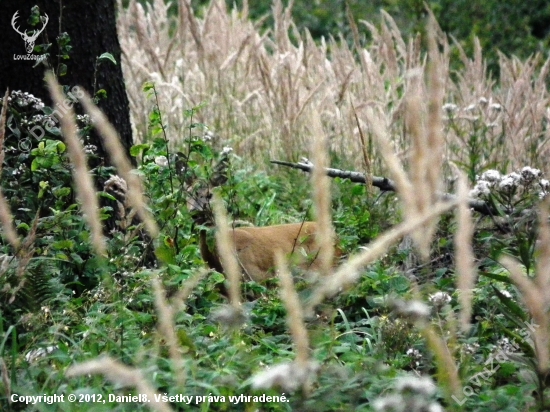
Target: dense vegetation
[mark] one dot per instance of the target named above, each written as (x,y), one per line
(432,305)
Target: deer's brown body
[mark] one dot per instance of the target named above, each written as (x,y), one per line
(255,248)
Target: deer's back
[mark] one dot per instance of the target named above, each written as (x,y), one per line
(256,246)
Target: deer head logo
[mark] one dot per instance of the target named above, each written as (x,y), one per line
(29,39)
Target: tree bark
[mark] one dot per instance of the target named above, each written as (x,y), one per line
(91,27)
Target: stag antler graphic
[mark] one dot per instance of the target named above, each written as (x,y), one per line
(29,40)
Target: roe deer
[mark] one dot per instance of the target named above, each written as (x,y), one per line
(255,246)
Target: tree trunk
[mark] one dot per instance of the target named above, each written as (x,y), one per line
(91,27)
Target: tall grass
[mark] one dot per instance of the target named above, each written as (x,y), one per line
(260,86)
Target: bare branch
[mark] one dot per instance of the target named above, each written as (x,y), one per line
(383,183)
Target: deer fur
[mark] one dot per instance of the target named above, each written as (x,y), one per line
(255,248)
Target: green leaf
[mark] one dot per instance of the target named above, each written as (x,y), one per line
(77,258)
(61,147)
(63,244)
(511,305)
(494,276)
(107,195)
(101,94)
(136,150)
(165,254)
(62,70)
(62,192)
(148,86)
(23,226)
(107,56)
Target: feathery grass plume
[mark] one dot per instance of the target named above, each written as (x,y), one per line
(120,375)
(3,118)
(25,254)
(259,84)
(167,329)
(542,263)
(435,143)
(464,257)
(6,381)
(83,181)
(295,316)
(537,304)
(367,168)
(226,249)
(447,370)
(6,218)
(418,313)
(349,272)
(117,155)
(380,133)
(321,196)
(299,374)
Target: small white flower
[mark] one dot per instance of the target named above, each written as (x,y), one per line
(507,184)
(394,403)
(516,177)
(90,149)
(208,136)
(35,354)
(439,299)
(505,345)
(450,107)
(529,174)
(288,376)
(413,309)
(483,101)
(470,348)
(506,293)
(496,107)
(161,161)
(482,188)
(415,355)
(491,176)
(226,150)
(470,108)
(422,385)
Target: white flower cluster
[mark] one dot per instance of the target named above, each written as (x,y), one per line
(484,109)
(84,119)
(161,161)
(412,395)
(439,299)
(413,310)
(470,348)
(527,178)
(25,100)
(289,376)
(415,355)
(38,353)
(483,103)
